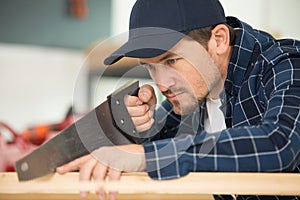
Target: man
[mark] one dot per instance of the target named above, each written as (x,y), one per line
(233,96)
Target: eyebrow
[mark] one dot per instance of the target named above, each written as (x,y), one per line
(167,56)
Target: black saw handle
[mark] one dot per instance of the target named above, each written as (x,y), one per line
(122,119)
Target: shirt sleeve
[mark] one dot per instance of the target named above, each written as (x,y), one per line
(270,145)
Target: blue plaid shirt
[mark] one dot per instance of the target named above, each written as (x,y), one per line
(261,104)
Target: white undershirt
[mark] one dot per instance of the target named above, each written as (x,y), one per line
(214,121)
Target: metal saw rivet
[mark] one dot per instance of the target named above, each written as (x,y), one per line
(118,102)
(122,121)
(24,166)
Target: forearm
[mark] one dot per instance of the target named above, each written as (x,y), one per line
(233,150)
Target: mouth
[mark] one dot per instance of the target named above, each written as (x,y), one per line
(172,96)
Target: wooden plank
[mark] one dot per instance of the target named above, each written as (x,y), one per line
(67,187)
(140,186)
(58,196)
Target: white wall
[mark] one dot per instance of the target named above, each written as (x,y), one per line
(277,16)
(36,84)
(120,15)
(287,17)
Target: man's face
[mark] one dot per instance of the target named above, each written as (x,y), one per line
(185,75)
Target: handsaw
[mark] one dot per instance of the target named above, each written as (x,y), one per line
(106,125)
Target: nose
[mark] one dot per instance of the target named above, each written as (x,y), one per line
(164,77)
(162,88)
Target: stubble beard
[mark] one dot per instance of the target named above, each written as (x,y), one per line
(186,105)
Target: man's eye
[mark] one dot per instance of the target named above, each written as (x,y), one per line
(171,61)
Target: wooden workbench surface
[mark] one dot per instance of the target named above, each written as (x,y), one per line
(140,186)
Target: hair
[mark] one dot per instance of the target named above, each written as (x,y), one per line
(203,35)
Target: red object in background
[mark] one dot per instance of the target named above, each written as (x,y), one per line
(39,133)
(28,140)
(11,151)
(79,8)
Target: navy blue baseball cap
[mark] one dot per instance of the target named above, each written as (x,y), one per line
(157,25)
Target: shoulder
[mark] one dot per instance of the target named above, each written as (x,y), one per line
(281,61)
(286,49)
(280,65)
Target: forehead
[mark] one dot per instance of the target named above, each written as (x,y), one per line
(184,48)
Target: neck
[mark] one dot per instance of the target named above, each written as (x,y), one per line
(225,63)
(223,68)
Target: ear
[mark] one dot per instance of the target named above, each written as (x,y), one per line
(221,39)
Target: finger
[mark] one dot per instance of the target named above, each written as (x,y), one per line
(113,175)
(138,121)
(73,165)
(132,100)
(146,126)
(146,93)
(86,169)
(138,110)
(86,173)
(99,174)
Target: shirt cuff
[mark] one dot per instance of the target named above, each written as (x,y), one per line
(162,160)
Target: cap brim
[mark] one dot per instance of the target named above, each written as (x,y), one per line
(146,43)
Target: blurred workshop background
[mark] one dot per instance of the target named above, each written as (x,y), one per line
(51,52)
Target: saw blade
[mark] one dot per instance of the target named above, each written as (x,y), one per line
(96,129)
